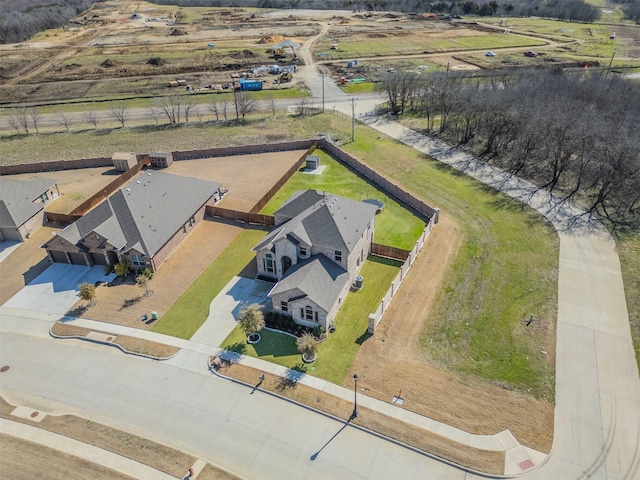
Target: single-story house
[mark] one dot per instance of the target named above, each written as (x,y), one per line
(315,252)
(143,222)
(22,205)
(123,161)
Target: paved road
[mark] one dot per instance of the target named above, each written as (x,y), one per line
(597,414)
(255,435)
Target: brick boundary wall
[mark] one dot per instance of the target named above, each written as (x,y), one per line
(55,165)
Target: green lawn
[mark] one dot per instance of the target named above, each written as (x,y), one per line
(506,269)
(395,226)
(339,350)
(191,310)
(629,252)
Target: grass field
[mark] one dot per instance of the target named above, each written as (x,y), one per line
(506,270)
(395,225)
(629,252)
(413,45)
(191,310)
(336,354)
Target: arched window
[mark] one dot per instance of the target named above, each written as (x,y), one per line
(308,313)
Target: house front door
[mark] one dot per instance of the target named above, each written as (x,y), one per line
(286,263)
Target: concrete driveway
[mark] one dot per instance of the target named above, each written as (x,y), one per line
(225,308)
(56,289)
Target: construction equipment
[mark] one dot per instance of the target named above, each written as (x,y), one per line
(286,77)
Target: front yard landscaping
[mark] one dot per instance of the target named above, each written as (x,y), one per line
(186,316)
(336,354)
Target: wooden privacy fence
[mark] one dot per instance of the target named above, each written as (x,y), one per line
(423,209)
(99,197)
(390,252)
(375,317)
(278,185)
(61,218)
(247,217)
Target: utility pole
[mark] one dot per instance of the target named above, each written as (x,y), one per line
(235,100)
(323,91)
(353,119)
(610,62)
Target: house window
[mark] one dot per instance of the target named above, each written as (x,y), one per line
(338,255)
(284,306)
(301,312)
(316,316)
(184,229)
(308,313)
(137,261)
(192,221)
(303,251)
(268,263)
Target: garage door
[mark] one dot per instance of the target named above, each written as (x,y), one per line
(98,259)
(59,257)
(77,259)
(11,235)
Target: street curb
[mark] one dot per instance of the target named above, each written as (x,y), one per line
(110,344)
(366,430)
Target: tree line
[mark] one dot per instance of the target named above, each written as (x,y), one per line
(575,10)
(575,135)
(22,19)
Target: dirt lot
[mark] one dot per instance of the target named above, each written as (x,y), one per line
(388,362)
(75,186)
(245,176)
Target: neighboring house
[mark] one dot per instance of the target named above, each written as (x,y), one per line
(143,223)
(316,250)
(123,161)
(22,205)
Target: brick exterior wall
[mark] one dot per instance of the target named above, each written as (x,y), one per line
(31,225)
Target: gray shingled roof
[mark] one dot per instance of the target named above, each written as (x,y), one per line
(318,277)
(145,213)
(331,221)
(17,199)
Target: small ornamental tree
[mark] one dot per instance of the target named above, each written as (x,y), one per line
(251,319)
(122,269)
(87,292)
(142,280)
(308,346)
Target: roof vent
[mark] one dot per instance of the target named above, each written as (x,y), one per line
(138,182)
(128,189)
(149,173)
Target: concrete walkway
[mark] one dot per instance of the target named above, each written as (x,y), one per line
(82,450)
(597,414)
(194,356)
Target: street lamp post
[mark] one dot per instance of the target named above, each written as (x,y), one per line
(355,396)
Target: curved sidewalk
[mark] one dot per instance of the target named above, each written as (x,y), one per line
(597,414)
(82,450)
(194,356)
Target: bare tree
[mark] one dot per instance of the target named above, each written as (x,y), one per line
(154,114)
(246,103)
(92,118)
(18,118)
(224,107)
(189,105)
(119,112)
(304,105)
(34,113)
(64,119)
(199,113)
(171,106)
(213,106)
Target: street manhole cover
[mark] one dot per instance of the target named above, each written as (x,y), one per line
(109,339)
(4,368)
(35,414)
